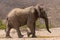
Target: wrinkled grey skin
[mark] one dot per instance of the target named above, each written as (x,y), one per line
(28,16)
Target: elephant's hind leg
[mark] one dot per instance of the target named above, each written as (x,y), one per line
(19,33)
(8,31)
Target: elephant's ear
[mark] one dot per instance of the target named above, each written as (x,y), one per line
(32,9)
(37,7)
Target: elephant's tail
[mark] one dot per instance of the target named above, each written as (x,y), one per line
(6,22)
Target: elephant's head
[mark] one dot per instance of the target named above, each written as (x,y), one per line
(43,14)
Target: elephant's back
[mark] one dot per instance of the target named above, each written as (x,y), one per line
(14,11)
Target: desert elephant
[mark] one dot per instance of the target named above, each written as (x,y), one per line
(27,16)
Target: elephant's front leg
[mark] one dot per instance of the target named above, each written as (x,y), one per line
(32,29)
(19,33)
(28,32)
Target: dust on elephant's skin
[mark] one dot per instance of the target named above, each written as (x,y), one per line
(27,16)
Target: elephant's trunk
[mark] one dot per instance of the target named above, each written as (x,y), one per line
(47,26)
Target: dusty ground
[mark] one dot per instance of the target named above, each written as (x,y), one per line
(41,35)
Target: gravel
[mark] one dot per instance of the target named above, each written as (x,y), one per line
(42,34)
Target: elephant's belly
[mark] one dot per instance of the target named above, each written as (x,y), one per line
(19,20)
(22,20)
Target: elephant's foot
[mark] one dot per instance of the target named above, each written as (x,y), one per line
(21,36)
(34,36)
(29,34)
(8,36)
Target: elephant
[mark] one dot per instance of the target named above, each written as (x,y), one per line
(19,17)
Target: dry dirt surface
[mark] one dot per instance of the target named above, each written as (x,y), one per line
(42,34)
